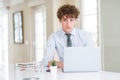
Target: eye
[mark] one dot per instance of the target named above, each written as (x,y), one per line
(64,19)
(71,19)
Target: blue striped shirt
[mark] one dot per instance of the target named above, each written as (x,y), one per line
(58,40)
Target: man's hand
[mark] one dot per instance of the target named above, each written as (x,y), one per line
(49,63)
(59,64)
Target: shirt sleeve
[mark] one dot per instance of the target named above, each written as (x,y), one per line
(50,50)
(88,40)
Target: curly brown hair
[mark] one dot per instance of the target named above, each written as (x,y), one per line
(68,10)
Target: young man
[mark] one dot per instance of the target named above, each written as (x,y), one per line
(68,36)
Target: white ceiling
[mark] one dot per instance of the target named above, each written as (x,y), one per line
(5,2)
(9,2)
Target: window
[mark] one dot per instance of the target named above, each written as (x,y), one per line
(40,31)
(3,44)
(89,18)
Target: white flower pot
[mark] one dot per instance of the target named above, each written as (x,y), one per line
(53,70)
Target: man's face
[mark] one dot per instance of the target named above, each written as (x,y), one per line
(68,23)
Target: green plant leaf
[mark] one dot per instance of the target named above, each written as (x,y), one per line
(53,63)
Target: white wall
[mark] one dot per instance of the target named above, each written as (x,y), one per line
(110,23)
(17,52)
(22,52)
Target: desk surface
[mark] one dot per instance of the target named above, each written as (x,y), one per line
(20,75)
(84,76)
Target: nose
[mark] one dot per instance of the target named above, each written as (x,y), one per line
(68,22)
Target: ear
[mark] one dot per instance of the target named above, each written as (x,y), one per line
(60,20)
(75,19)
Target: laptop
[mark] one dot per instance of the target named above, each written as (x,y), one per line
(82,59)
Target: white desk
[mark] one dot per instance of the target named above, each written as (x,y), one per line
(19,75)
(84,76)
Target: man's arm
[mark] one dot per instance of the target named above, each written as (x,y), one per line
(88,40)
(49,52)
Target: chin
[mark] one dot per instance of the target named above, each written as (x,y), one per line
(68,31)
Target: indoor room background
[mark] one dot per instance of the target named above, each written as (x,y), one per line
(99,17)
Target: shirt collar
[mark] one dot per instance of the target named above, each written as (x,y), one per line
(72,33)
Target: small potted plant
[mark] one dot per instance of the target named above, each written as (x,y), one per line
(53,67)
(53,63)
